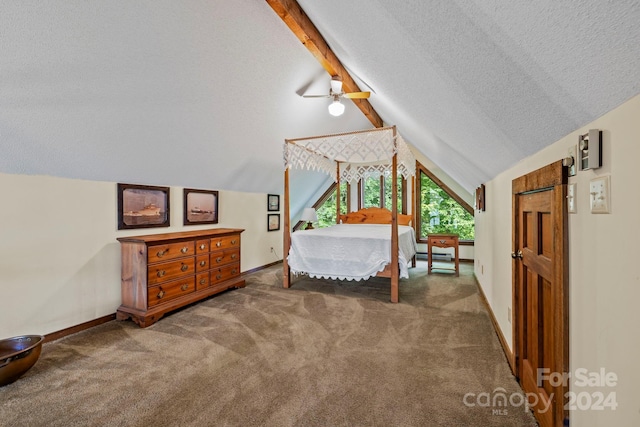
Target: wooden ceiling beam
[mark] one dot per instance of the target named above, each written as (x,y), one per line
(300,24)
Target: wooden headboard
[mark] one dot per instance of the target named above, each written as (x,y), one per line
(373,216)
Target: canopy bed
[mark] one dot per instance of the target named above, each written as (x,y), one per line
(366,243)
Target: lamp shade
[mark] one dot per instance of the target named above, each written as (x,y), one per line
(309,215)
(336,108)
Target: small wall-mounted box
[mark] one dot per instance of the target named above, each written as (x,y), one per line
(590,150)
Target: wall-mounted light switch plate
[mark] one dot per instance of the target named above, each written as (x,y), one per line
(571,198)
(600,195)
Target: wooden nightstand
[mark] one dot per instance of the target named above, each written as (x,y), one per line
(443,241)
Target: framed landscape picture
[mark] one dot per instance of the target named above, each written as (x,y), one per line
(273,222)
(142,206)
(273,202)
(200,207)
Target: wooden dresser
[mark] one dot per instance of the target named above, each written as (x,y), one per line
(163,272)
(443,241)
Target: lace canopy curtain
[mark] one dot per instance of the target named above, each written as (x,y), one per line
(361,154)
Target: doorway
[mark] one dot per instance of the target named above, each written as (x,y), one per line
(540,290)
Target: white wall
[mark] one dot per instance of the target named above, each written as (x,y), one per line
(604,279)
(59,257)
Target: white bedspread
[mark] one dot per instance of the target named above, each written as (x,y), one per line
(349,251)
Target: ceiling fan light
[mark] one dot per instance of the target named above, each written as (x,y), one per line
(336,108)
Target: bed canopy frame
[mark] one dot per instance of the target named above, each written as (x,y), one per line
(350,157)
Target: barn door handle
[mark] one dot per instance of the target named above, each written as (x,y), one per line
(516,255)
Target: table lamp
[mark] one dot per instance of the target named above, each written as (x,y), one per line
(309,215)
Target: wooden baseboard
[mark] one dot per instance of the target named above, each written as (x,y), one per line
(262,267)
(496,327)
(104,319)
(81,327)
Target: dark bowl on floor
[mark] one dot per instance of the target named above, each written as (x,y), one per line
(17,356)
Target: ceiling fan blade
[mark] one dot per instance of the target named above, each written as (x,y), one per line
(358,95)
(316,96)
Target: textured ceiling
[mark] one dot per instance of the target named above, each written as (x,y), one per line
(203,93)
(479,85)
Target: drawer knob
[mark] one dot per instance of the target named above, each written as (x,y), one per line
(202,246)
(184,250)
(184,287)
(219,259)
(233,242)
(161,273)
(234,271)
(184,267)
(203,281)
(218,276)
(218,244)
(203,263)
(160,294)
(234,256)
(160,254)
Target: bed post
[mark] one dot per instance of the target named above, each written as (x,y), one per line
(413,210)
(286,241)
(338,192)
(395,268)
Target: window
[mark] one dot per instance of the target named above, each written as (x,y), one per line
(374,189)
(326,206)
(401,194)
(371,192)
(441,211)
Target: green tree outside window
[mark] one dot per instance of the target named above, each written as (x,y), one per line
(442,214)
(327,211)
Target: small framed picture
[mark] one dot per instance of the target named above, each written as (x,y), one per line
(273,222)
(480,198)
(142,206)
(273,202)
(200,207)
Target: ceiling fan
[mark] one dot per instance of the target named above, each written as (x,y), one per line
(336,108)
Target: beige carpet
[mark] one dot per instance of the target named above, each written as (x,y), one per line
(323,353)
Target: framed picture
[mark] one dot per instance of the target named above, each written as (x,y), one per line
(142,206)
(200,207)
(273,222)
(480,198)
(273,202)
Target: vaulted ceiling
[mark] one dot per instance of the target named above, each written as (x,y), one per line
(203,93)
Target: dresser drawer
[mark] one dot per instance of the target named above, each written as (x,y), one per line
(202,246)
(224,257)
(202,281)
(165,271)
(443,241)
(224,273)
(202,263)
(170,290)
(159,253)
(225,242)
